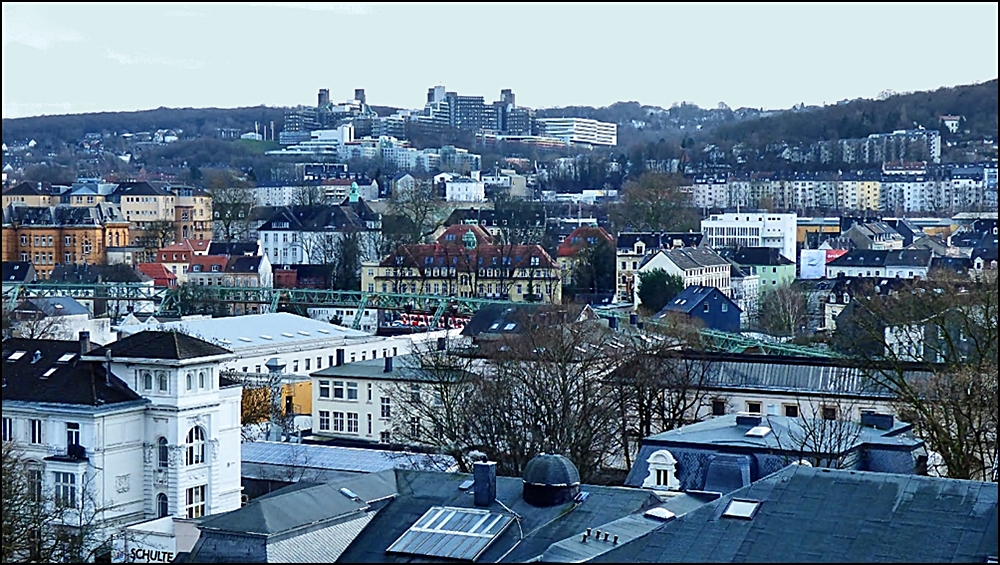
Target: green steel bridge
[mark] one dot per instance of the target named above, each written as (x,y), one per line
(179,301)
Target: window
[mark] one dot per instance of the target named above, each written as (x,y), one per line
(65,489)
(196,446)
(295,366)
(72,434)
(718,407)
(147,380)
(324,420)
(162,453)
(415,393)
(202,381)
(725,307)
(705,308)
(338,388)
(414,427)
(338,421)
(308,360)
(162,507)
(829,413)
(369,424)
(384,437)
(319,362)
(161,381)
(324,389)
(189,381)
(352,422)
(386,411)
(352,391)
(753,407)
(36,431)
(195,502)
(35,484)
(369,392)
(8,429)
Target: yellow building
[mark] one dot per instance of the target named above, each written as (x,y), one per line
(465,262)
(51,235)
(192,213)
(856,192)
(29,195)
(142,204)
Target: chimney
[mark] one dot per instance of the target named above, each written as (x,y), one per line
(485,487)
(107,365)
(84,343)
(388,365)
(340,357)
(747,420)
(442,343)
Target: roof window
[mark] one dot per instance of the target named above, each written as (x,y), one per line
(16,355)
(741,508)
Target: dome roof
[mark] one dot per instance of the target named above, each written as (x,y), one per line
(550,469)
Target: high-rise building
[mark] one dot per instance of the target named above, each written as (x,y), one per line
(324,97)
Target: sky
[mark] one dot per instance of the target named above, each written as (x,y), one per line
(74,58)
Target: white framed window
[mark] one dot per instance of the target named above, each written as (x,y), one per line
(195,507)
(161,381)
(37,437)
(202,380)
(338,421)
(370,391)
(352,422)
(72,433)
(162,506)
(147,380)
(34,482)
(189,381)
(162,453)
(65,489)
(196,446)
(338,388)
(324,389)
(384,436)
(352,390)
(754,407)
(324,420)
(8,429)
(386,411)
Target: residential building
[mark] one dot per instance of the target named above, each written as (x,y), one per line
(60,318)
(745,292)
(525,226)
(571,250)
(465,189)
(726,453)
(177,257)
(696,266)
(506,181)
(143,203)
(773,268)
(28,194)
(466,261)
(108,274)
(579,130)
(859,191)
(821,511)
(868,263)
(875,235)
(632,248)
(403,183)
(248,272)
(161,275)
(149,430)
(192,213)
(130,255)
(61,235)
(704,306)
(752,229)
(311,234)
(18,272)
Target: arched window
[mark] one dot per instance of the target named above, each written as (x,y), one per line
(162,506)
(147,380)
(161,381)
(662,471)
(162,453)
(202,383)
(196,446)
(189,381)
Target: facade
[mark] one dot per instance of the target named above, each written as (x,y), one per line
(869,263)
(160,440)
(745,292)
(465,189)
(773,268)
(632,248)
(27,194)
(60,235)
(579,130)
(177,257)
(875,235)
(752,229)
(465,261)
(310,234)
(706,306)
(576,243)
(697,266)
(59,318)
(143,203)
(192,213)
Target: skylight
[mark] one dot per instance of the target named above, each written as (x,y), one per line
(265,336)
(509,327)
(659,513)
(323,331)
(495,325)
(16,355)
(452,533)
(286,334)
(739,508)
(65,358)
(758,431)
(303,332)
(49,372)
(246,339)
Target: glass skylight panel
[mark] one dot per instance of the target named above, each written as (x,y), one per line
(452,533)
(286,334)
(323,331)
(744,509)
(265,336)
(49,372)
(758,431)
(65,357)
(16,355)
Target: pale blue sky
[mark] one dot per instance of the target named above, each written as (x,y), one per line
(73,58)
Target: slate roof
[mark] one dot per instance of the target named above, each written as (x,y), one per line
(884,258)
(141,188)
(542,527)
(404,368)
(54,306)
(691,298)
(808,514)
(657,240)
(909,258)
(88,273)
(320,218)
(456,255)
(688,258)
(72,382)
(501,319)
(233,248)
(769,256)
(18,272)
(244,264)
(24,189)
(63,215)
(174,346)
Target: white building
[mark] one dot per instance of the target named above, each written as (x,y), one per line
(752,229)
(145,430)
(465,189)
(697,266)
(579,130)
(745,292)
(59,317)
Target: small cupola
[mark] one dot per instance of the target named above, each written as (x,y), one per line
(469,240)
(550,480)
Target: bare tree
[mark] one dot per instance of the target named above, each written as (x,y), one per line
(783,311)
(654,202)
(422,208)
(309,195)
(35,325)
(155,235)
(823,434)
(232,201)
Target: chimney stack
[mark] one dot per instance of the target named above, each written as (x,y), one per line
(84,342)
(340,357)
(388,365)
(484,488)
(633,318)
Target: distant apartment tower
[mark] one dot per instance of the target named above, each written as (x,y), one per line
(752,229)
(324,97)
(579,130)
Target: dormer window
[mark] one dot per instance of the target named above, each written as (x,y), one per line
(215,268)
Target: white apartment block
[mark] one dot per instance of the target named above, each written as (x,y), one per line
(580,130)
(696,266)
(465,189)
(710,193)
(752,229)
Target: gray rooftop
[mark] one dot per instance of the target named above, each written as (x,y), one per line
(307,457)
